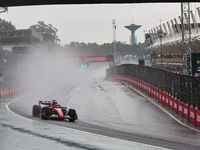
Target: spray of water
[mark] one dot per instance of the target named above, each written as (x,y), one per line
(51,70)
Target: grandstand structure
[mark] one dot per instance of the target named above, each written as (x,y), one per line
(26,40)
(168,47)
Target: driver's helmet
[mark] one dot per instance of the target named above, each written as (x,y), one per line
(54,102)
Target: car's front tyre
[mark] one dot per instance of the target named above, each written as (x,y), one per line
(72,114)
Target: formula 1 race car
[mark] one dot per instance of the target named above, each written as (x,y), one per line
(53,110)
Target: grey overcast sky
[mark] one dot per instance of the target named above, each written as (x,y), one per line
(93,23)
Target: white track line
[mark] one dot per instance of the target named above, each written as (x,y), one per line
(7,107)
(160,107)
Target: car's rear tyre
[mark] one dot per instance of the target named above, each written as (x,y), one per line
(72,114)
(45,113)
(36,110)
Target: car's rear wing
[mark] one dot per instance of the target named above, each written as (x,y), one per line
(44,102)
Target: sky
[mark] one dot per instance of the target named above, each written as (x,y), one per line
(92,23)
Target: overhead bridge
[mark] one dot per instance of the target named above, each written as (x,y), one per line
(20,37)
(25,40)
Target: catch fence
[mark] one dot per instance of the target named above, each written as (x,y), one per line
(185,88)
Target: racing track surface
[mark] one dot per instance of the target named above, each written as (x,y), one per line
(111,109)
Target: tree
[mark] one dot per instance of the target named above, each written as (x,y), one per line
(42,27)
(106,49)
(5,25)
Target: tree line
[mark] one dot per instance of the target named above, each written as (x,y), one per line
(80,48)
(39,27)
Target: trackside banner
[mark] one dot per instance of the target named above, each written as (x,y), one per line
(175,104)
(88,59)
(100,58)
(167,100)
(159,96)
(152,91)
(4,92)
(198,117)
(180,107)
(163,98)
(190,113)
(171,102)
(185,110)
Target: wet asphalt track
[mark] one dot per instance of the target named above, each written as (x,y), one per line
(146,126)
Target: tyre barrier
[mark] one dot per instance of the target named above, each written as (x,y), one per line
(188,112)
(6,92)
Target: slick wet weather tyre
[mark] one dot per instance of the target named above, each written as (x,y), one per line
(36,110)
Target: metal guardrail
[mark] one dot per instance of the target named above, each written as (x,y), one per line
(183,87)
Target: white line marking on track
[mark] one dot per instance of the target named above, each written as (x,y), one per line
(7,107)
(160,107)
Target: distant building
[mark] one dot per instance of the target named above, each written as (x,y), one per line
(147,38)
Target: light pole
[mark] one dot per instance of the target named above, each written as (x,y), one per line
(160,33)
(1,73)
(114,42)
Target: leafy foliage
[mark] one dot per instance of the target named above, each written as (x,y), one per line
(6,25)
(42,27)
(77,48)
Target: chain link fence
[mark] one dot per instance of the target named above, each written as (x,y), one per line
(183,87)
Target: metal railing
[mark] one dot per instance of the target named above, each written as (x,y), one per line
(183,87)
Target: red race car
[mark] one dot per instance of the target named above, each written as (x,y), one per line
(53,110)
